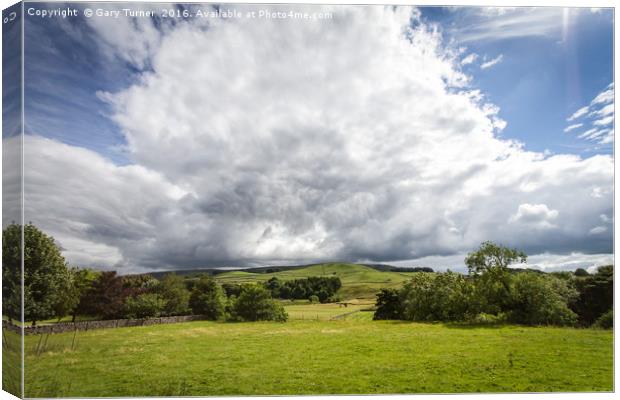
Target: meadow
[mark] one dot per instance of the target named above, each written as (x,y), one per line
(346,356)
(322,349)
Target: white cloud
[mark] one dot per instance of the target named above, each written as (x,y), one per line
(264,141)
(604,121)
(600,115)
(499,23)
(604,97)
(490,63)
(469,59)
(538,215)
(579,113)
(572,127)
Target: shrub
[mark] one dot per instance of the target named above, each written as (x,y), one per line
(581,272)
(314,298)
(605,321)
(255,304)
(208,299)
(596,294)
(441,297)
(144,305)
(388,305)
(484,319)
(541,300)
(175,295)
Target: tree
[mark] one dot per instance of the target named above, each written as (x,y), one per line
(541,300)
(11,272)
(45,273)
(489,267)
(83,279)
(144,305)
(491,256)
(106,297)
(174,294)
(581,272)
(255,304)
(596,294)
(416,298)
(388,305)
(208,299)
(273,285)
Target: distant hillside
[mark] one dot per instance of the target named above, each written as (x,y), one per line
(358,281)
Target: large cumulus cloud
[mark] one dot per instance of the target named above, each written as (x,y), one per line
(278,141)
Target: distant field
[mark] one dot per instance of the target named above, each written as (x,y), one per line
(307,311)
(358,281)
(355,355)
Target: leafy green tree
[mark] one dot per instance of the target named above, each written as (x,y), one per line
(11,272)
(438,297)
(416,297)
(255,304)
(541,300)
(175,295)
(388,305)
(605,321)
(596,295)
(144,305)
(231,289)
(489,267)
(581,272)
(208,298)
(273,285)
(83,279)
(45,273)
(491,256)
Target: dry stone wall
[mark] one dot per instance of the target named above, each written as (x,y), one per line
(89,325)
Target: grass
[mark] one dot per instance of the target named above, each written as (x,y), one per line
(308,311)
(11,362)
(349,356)
(358,281)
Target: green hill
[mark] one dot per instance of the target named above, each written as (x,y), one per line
(358,281)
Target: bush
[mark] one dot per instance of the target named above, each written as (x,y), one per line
(175,295)
(541,300)
(581,272)
(441,297)
(314,298)
(208,299)
(605,321)
(255,304)
(484,319)
(144,305)
(596,295)
(388,305)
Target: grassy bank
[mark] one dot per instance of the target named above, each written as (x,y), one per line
(355,355)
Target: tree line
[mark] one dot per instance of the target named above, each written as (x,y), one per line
(493,292)
(54,290)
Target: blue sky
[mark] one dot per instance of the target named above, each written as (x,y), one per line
(546,73)
(397,135)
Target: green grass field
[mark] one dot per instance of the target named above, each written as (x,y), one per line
(322,312)
(358,281)
(354,355)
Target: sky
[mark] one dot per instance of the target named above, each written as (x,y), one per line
(400,135)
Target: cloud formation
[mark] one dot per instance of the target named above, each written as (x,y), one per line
(492,62)
(596,118)
(283,141)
